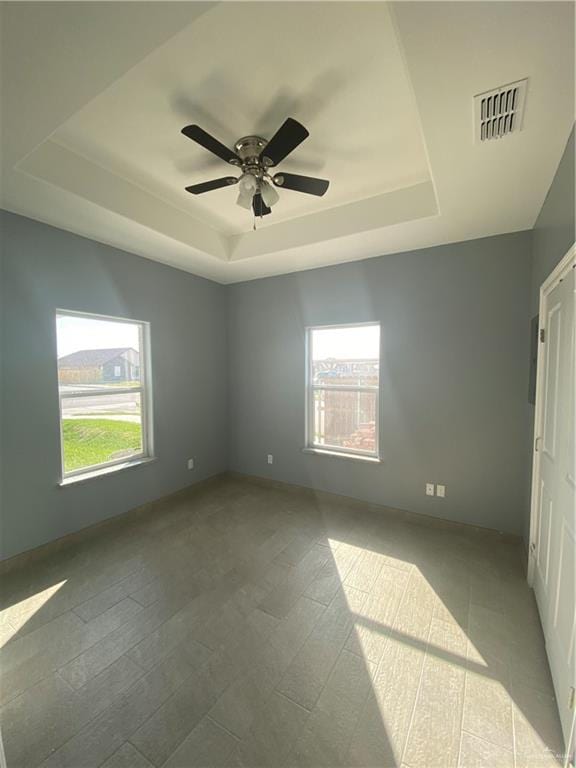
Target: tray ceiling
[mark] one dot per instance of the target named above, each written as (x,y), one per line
(341,75)
(386,93)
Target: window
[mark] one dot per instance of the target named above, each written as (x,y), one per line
(343,388)
(103,385)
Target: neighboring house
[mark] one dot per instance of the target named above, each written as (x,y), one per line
(347,371)
(93,366)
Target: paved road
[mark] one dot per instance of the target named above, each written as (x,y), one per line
(127,403)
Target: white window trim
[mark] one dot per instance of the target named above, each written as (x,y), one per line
(362,457)
(104,469)
(329,450)
(144,388)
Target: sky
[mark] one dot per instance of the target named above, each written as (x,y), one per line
(359,343)
(75,333)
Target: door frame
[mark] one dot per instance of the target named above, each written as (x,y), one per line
(567,263)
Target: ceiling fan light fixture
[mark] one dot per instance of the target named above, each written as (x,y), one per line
(244,199)
(269,194)
(248,183)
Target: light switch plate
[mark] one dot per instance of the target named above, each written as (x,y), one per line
(441,490)
(270,459)
(429,489)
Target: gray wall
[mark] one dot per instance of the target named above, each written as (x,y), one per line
(553,232)
(44,268)
(455,372)
(552,236)
(455,330)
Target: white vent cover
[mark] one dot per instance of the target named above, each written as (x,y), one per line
(499,112)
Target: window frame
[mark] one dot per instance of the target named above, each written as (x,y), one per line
(144,388)
(342,452)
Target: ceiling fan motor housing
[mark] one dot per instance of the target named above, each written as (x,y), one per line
(249,148)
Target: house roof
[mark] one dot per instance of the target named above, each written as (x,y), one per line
(90,358)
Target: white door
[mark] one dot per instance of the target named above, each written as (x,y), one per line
(553,542)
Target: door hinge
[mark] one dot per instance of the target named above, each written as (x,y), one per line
(533,547)
(542,335)
(571,697)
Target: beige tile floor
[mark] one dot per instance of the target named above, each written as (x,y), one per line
(244,624)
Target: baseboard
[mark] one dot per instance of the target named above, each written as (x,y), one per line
(70,540)
(407,514)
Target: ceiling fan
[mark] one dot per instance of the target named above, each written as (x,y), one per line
(254,156)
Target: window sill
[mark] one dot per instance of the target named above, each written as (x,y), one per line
(73,479)
(342,455)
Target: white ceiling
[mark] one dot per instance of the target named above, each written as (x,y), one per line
(95,96)
(363,123)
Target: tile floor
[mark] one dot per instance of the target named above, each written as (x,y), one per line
(244,624)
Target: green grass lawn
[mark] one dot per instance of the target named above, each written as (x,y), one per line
(94,441)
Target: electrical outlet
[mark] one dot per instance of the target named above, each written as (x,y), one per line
(270,459)
(190,463)
(441,490)
(429,489)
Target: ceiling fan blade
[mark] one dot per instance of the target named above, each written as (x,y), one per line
(290,134)
(208,186)
(200,136)
(307,184)
(259,206)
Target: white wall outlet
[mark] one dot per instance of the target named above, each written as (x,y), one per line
(190,463)
(441,490)
(429,489)
(270,459)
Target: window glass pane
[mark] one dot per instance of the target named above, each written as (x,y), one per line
(97,353)
(345,419)
(100,429)
(346,356)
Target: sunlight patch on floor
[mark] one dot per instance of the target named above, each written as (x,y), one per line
(16,616)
